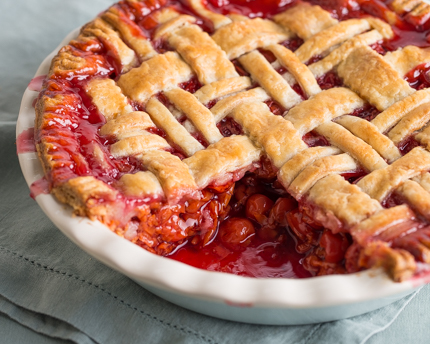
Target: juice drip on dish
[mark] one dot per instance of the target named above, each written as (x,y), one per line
(25,141)
(39,187)
(36,83)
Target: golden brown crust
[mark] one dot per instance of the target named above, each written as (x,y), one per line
(404,60)
(333,59)
(100,90)
(128,29)
(216,163)
(196,112)
(300,71)
(127,125)
(305,20)
(134,145)
(140,184)
(174,130)
(382,86)
(388,118)
(380,183)
(356,147)
(334,195)
(399,264)
(104,32)
(227,104)
(206,59)
(88,197)
(159,73)
(324,106)
(369,133)
(269,79)
(413,121)
(241,37)
(279,139)
(293,167)
(173,174)
(222,88)
(320,168)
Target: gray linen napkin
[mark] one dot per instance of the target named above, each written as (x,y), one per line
(52,292)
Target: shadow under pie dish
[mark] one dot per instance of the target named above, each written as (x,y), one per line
(293,145)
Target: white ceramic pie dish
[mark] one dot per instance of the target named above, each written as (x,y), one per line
(226,296)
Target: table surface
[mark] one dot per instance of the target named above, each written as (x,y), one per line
(25,43)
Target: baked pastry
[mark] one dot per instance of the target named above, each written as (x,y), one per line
(297,127)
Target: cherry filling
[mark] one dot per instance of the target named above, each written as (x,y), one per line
(252,227)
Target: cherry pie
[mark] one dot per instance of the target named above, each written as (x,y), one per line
(262,138)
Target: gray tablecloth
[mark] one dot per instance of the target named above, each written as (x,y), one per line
(52,292)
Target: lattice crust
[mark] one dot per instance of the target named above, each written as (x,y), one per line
(147,96)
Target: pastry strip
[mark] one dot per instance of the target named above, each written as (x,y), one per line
(369,133)
(345,140)
(338,55)
(324,107)
(173,174)
(130,32)
(334,35)
(216,164)
(403,60)
(305,20)
(222,88)
(378,184)
(278,137)
(140,184)
(319,169)
(293,167)
(378,225)
(134,145)
(217,19)
(241,37)
(226,105)
(271,81)
(162,72)
(174,130)
(206,58)
(380,84)
(130,124)
(416,196)
(169,28)
(196,112)
(388,118)
(335,196)
(300,71)
(100,90)
(413,121)
(110,39)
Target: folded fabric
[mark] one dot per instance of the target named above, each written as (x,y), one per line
(54,288)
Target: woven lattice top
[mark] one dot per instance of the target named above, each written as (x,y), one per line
(164,101)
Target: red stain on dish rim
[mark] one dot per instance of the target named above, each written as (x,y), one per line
(239,304)
(36,83)
(422,277)
(25,142)
(39,187)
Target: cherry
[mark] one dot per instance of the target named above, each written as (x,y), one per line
(236,231)
(258,207)
(281,208)
(307,235)
(335,246)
